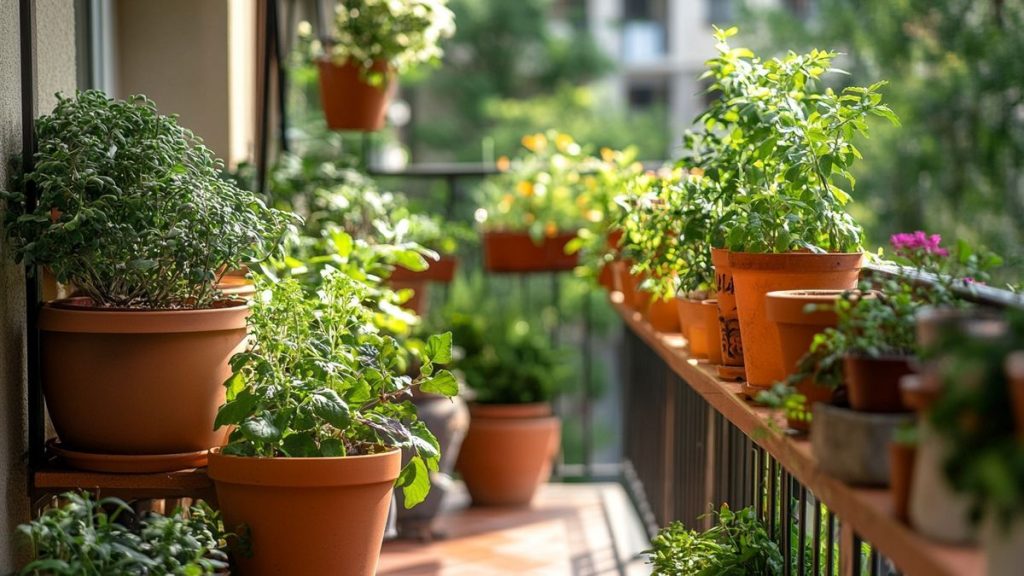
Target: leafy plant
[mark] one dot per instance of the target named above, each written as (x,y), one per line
(87,537)
(738,545)
(322,381)
(132,209)
(402,33)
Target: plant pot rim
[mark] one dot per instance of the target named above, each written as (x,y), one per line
(68,315)
(795,262)
(559,234)
(302,472)
(510,410)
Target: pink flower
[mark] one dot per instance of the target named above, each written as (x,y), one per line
(910,242)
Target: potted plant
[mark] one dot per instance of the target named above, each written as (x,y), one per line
(319,410)
(133,212)
(370,43)
(785,224)
(513,374)
(82,536)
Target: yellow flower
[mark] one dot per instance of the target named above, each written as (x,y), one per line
(535,142)
(525,188)
(503,164)
(590,182)
(607,154)
(562,141)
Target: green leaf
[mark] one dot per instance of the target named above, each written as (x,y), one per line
(300,445)
(328,406)
(443,383)
(332,447)
(260,429)
(439,348)
(236,410)
(414,481)
(411,259)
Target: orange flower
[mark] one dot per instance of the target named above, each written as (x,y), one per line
(696,171)
(503,164)
(607,154)
(550,229)
(525,188)
(534,142)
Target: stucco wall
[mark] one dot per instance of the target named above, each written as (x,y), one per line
(55,60)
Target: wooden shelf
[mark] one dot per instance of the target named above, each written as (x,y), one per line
(867,510)
(54,479)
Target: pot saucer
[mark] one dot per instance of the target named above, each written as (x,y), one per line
(127,463)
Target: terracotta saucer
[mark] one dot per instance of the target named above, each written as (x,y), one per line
(127,463)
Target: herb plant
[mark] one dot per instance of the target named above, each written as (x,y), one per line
(321,380)
(88,537)
(132,209)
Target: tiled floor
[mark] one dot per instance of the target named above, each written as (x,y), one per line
(571,530)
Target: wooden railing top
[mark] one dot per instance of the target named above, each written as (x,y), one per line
(869,511)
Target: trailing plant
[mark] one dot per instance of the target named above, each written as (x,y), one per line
(88,537)
(402,33)
(737,545)
(321,380)
(132,210)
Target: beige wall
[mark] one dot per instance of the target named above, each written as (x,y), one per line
(194,58)
(55,69)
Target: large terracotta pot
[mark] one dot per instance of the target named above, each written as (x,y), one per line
(508,452)
(517,252)
(138,382)
(691,318)
(663,315)
(873,384)
(307,516)
(755,275)
(442,271)
(714,330)
(350,103)
(731,342)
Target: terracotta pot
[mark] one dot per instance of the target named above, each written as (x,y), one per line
(919,391)
(901,474)
(606,277)
(663,315)
(1015,379)
(517,252)
(144,382)
(307,516)
(621,278)
(508,452)
(728,316)
(714,330)
(873,384)
(442,271)
(350,103)
(755,275)
(417,304)
(691,318)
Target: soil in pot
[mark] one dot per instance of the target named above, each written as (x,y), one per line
(873,384)
(307,516)
(901,474)
(714,330)
(691,319)
(508,452)
(138,382)
(517,252)
(755,275)
(731,342)
(663,315)
(349,102)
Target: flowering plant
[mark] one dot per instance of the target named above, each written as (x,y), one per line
(402,33)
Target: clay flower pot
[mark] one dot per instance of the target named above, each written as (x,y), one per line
(714,330)
(901,474)
(349,102)
(691,319)
(442,271)
(728,317)
(663,315)
(755,275)
(517,252)
(138,382)
(1015,377)
(873,384)
(307,516)
(508,452)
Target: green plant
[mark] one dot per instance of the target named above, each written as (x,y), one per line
(402,33)
(321,380)
(737,545)
(132,210)
(87,537)
(778,142)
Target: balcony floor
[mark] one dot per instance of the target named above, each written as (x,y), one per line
(571,530)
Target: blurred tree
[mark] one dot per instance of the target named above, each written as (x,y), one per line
(957,83)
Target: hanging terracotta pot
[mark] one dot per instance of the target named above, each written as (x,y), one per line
(691,318)
(663,315)
(508,452)
(517,252)
(731,342)
(349,102)
(307,516)
(755,275)
(714,330)
(441,271)
(1015,377)
(873,384)
(901,474)
(138,382)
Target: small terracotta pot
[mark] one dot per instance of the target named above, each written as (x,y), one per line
(663,315)
(728,315)
(873,384)
(508,452)
(141,382)
(1015,380)
(901,471)
(442,271)
(755,275)
(517,252)
(691,319)
(714,330)
(307,516)
(350,103)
